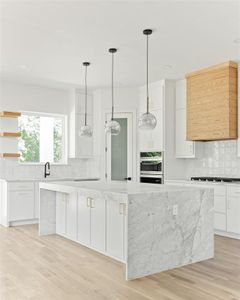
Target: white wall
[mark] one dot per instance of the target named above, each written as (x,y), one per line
(20,97)
(27,97)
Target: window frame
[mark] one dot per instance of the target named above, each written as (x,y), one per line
(64,161)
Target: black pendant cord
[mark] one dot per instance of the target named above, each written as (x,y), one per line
(112,86)
(147,80)
(86,95)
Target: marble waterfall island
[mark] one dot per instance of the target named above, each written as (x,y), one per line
(150,228)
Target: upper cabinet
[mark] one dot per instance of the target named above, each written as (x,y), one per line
(212,103)
(152,140)
(80,146)
(183,148)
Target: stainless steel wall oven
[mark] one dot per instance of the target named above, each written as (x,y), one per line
(151,167)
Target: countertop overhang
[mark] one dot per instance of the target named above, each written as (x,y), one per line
(128,188)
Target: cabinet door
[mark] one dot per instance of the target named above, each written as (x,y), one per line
(98,224)
(21,205)
(220,221)
(71,216)
(233,212)
(83,220)
(152,140)
(115,229)
(181,94)
(156,96)
(157,132)
(184,148)
(84,145)
(60,213)
(36,201)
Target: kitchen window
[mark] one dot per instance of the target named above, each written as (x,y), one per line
(43,138)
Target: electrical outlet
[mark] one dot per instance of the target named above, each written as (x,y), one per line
(175,209)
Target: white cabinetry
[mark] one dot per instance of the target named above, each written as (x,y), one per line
(116,218)
(94,222)
(83,235)
(80,146)
(21,201)
(98,224)
(66,215)
(233,210)
(152,140)
(183,148)
(91,222)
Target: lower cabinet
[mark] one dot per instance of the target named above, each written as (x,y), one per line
(116,215)
(20,200)
(21,205)
(233,214)
(83,223)
(93,222)
(66,215)
(98,225)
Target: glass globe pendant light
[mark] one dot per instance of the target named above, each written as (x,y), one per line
(147,121)
(85,130)
(112,127)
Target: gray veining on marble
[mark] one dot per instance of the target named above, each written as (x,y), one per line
(156,239)
(159,241)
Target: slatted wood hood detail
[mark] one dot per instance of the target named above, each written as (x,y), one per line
(212,103)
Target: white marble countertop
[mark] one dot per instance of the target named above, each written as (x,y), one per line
(49,179)
(128,188)
(204,182)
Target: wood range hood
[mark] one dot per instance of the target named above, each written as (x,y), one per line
(212,103)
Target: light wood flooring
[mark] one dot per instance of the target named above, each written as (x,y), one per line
(51,267)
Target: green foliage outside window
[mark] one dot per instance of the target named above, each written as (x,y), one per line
(29,143)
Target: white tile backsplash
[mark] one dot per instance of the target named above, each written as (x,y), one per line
(217,158)
(10,168)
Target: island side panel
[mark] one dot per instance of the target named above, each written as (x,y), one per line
(47,212)
(159,240)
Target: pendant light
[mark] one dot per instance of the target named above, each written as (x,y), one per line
(86,130)
(147,121)
(112,127)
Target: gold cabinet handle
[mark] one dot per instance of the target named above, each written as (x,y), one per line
(92,203)
(122,209)
(88,202)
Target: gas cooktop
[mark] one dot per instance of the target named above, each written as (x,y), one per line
(216,179)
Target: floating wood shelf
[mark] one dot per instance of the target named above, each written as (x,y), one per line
(3,155)
(10,134)
(9,114)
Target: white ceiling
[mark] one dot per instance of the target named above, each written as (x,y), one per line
(47,41)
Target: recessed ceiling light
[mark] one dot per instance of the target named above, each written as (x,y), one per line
(237,41)
(23,67)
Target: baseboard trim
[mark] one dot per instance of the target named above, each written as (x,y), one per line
(24,222)
(228,234)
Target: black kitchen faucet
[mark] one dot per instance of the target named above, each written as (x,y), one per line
(47,169)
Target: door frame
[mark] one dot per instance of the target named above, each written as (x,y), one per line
(130,145)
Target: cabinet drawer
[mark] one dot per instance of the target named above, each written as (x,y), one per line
(234,192)
(220,221)
(220,204)
(21,205)
(17,186)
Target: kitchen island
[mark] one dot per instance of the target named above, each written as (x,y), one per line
(150,228)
